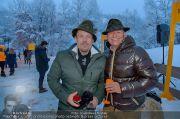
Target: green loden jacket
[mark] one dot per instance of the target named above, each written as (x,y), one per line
(67,69)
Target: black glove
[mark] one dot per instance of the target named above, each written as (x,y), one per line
(86,98)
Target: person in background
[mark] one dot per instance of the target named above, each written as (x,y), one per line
(41,63)
(29,55)
(19,55)
(16,65)
(6,53)
(11,60)
(25,56)
(2,61)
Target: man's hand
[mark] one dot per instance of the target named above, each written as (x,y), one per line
(113,87)
(70,99)
(94,102)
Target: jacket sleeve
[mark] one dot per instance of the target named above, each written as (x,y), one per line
(53,79)
(100,90)
(14,59)
(146,75)
(44,56)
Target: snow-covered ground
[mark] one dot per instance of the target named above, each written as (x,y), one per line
(25,84)
(156,55)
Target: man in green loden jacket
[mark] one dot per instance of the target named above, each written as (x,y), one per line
(80,68)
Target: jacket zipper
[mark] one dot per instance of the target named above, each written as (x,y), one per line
(111,73)
(112,64)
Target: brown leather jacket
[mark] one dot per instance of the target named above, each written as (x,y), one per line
(133,69)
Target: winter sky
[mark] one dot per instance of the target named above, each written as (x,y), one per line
(111,6)
(119,6)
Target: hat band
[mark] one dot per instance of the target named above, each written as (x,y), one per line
(114,29)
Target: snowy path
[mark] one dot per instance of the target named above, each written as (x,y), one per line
(25,83)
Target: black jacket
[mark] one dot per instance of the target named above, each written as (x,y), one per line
(134,71)
(41,59)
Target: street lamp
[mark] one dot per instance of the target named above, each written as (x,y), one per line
(8,42)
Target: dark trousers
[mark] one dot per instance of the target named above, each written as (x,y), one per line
(25,60)
(2,64)
(15,65)
(41,78)
(11,66)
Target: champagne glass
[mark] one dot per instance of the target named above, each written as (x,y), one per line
(108,81)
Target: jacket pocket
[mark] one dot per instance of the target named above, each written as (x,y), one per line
(95,75)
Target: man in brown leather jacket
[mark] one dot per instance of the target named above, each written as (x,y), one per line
(132,71)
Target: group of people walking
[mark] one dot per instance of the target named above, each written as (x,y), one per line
(27,56)
(7,58)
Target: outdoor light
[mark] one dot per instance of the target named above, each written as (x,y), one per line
(20,89)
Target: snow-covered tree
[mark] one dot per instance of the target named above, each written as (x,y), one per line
(43,12)
(177,37)
(6,26)
(79,8)
(22,20)
(157,12)
(25,31)
(62,29)
(41,19)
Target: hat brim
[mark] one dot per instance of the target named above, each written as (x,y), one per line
(124,29)
(74,32)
